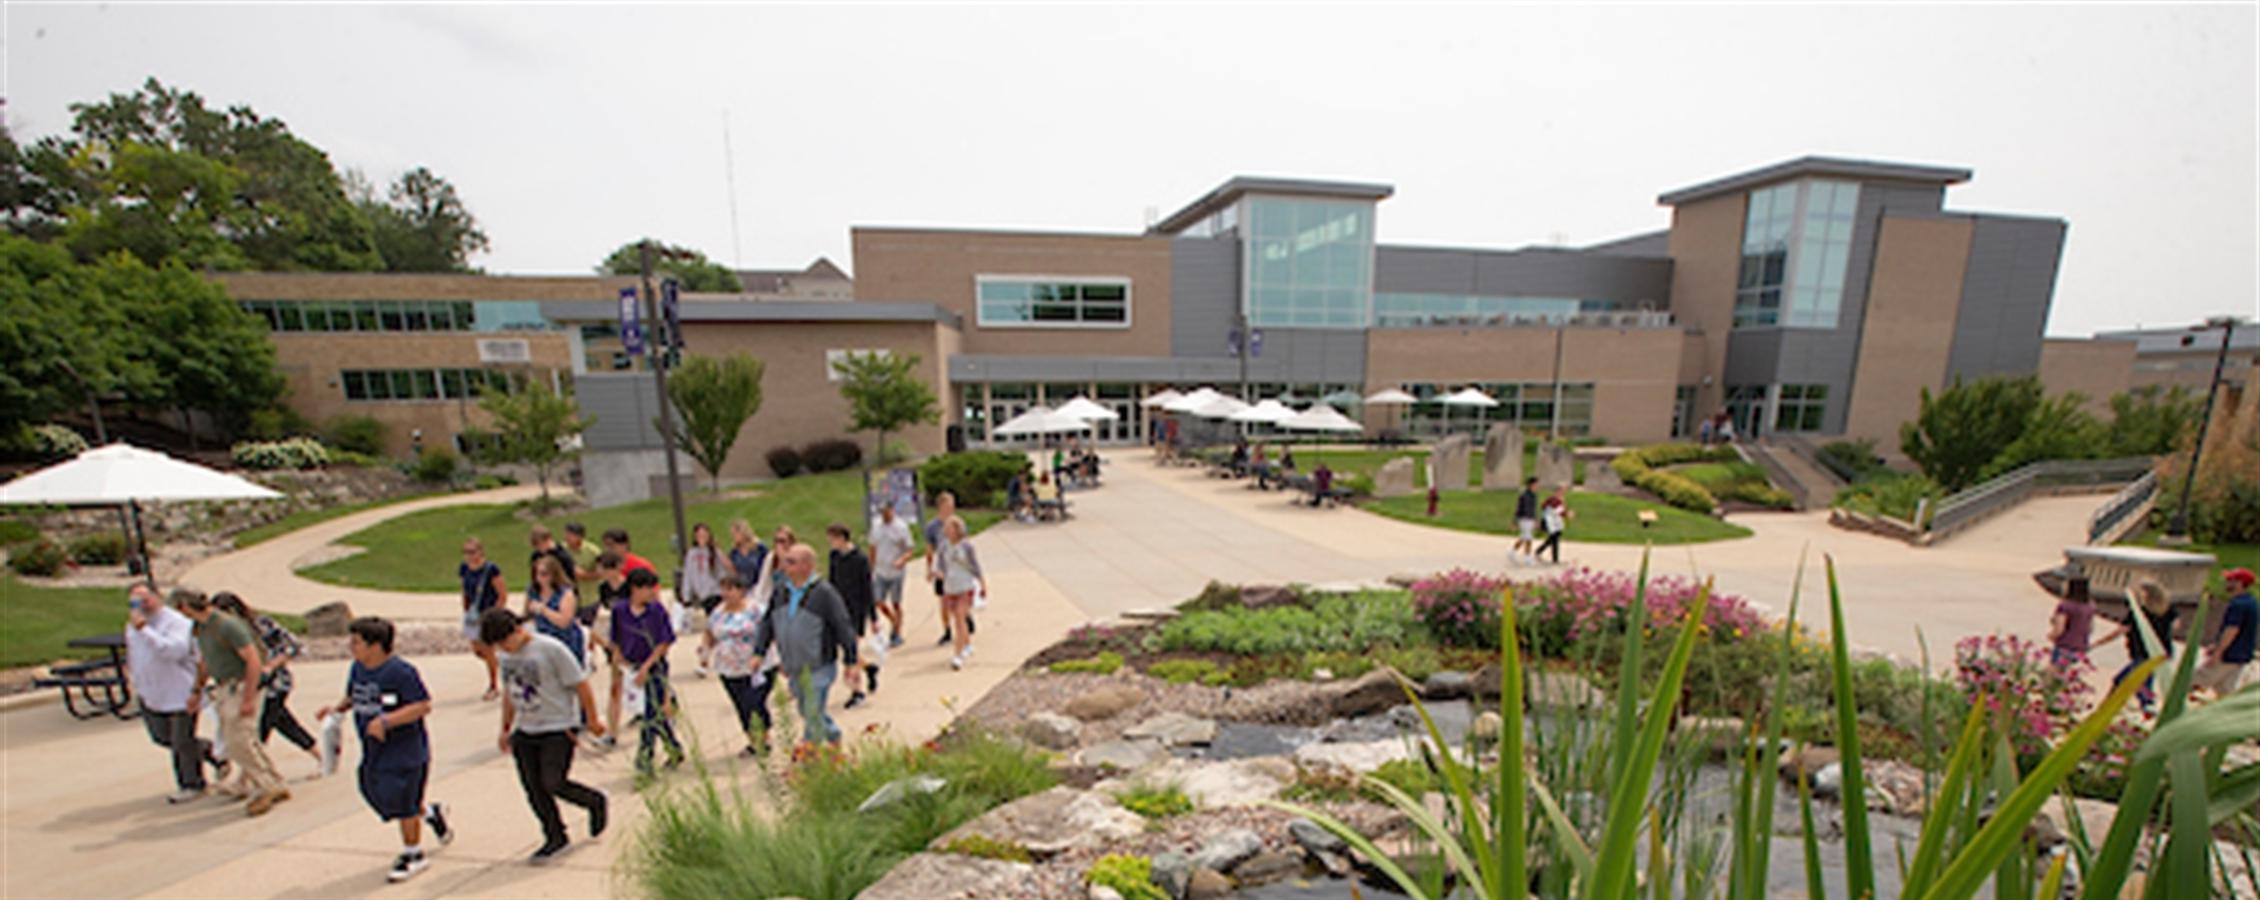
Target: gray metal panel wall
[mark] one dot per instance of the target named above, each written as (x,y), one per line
(1628,280)
(2005,296)
(1204,291)
(625,405)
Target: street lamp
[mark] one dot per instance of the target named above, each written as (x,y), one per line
(2177,528)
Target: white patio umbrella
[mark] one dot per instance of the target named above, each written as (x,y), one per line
(1391,397)
(1221,407)
(1040,420)
(1268,412)
(1344,398)
(1161,399)
(1469,397)
(1082,408)
(1321,418)
(124,474)
(1192,401)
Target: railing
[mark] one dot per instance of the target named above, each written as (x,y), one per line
(1803,447)
(1972,505)
(2124,511)
(1761,455)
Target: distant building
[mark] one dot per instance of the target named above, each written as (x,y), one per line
(820,281)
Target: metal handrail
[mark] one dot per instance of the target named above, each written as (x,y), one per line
(2114,512)
(2003,491)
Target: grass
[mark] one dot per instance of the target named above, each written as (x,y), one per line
(2229,556)
(1600,518)
(307,517)
(42,620)
(418,551)
(1717,477)
(1368,462)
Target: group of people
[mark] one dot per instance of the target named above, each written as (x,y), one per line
(760,610)
(1539,524)
(1716,428)
(2227,656)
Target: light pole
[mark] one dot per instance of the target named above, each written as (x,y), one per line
(2177,528)
(658,353)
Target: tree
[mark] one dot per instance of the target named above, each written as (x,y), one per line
(424,227)
(534,425)
(692,269)
(884,395)
(2059,428)
(714,395)
(1959,431)
(2150,421)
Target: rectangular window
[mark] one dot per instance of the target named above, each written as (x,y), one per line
(1804,407)
(365,316)
(413,317)
(1034,301)
(451,384)
(391,317)
(379,385)
(355,388)
(427,384)
(290,317)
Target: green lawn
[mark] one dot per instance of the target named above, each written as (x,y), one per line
(305,517)
(41,619)
(1717,477)
(1600,518)
(2230,555)
(419,551)
(1367,462)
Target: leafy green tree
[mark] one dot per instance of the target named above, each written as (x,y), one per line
(421,224)
(691,269)
(161,205)
(2060,427)
(1959,431)
(884,394)
(714,396)
(534,425)
(2150,421)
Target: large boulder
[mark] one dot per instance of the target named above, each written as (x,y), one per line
(1557,466)
(1394,479)
(1105,702)
(1126,756)
(1052,731)
(1448,685)
(1502,458)
(1561,690)
(1356,758)
(1239,782)
(328,620)
(1174,729)
(949,876)
(1228,849)
(1267,867)
(1367,694)
(1448,463)
(1172,872)
(1207,884)
(1053,822)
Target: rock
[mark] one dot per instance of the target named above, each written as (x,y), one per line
(1127,756)
(1803,762)
(1394,479)
(1309,836)
(1105,702)
(1267,867)
(1448,685)
(1563,690)
(1502,458)
(1102,892)
(1486,726)
(1174,729)
(1828,781)
(1172,872)
(935,876)
(1206,884)
(1226,850)
(1893,786)
(328,620)
(1052,731)
(1053,822)
(1367,694)
(1720,735)
(1448,463)
(1322,674)
(1240,782)
(1267,596)
(1557,466)
(1355,758)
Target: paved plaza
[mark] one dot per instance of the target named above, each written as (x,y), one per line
(82,811)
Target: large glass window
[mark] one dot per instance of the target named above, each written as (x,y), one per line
(1796,245)
(1803,407)
(1028,301)
(405,315)
(1310,263)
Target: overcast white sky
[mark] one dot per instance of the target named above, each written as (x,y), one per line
(570,130)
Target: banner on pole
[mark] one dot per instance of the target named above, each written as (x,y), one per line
(631,323)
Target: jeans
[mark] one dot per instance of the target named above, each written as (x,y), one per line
(749,694)
(277,717)
(810,691)
(176,731)
(544,762)
(244,750)
(1553,542)
(658,725)
(2145,695)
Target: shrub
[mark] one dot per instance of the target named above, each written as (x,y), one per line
(831,455)
(1897,496)
(973,475)
(362,460)
(1760,494)
(1353,621)
(1359,484)
(1675,490)
(17,531)
(1460,608)
(1638,467)
(1131,876)
(435,466)
(1188,671)
(988,848)
(104,549)
(357,434)
(276,423)
(785,461)
(1155,801)
(1413,776)
(296,453)
(56,442)
(1106,663)
(42,558)
(1582,603)
(1851,460)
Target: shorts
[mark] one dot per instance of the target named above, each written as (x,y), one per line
(395,792)
(2223,677)
(1528,527)
(889,590)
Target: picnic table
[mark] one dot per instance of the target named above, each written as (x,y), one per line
(99,686)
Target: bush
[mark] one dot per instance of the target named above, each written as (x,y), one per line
(1894,495)
(1155,801)
(104,549)
(1130,876)
(1760,494)
(973,475)
(1359,484)
(1676,490)
(278,422)
(831,455)
(1460,608)
(1106,663)
(362,460)
(296,453)
(357,434)
(1354,621)
(436,466)
(1638,467)
(56,442)
(989,848)
(1188,671)
(17,531)
(1851,460)
(42,558)
(785,461)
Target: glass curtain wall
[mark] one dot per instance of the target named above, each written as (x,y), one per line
(1526,405)
(1796,246)
(1310,263)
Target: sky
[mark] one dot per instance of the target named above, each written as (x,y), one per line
(572,129)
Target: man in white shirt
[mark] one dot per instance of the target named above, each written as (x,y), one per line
(891,550)
(161,657)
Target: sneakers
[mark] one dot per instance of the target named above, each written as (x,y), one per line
(894,640)
(184,795)
(548,853)
(599,814)
(944,642)
(263,802)
(854,700)
(406,865)
(435,815)
(958,661)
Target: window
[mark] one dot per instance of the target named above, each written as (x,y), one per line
(1745,404)
(1527,405)
(1309,263)
(1803,407)
(1039,302)
(355,388)
(1804,288)
(1408,310)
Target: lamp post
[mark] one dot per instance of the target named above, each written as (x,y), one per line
(658,354)
(2177,528)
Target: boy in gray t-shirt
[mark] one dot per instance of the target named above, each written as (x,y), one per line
(546,699)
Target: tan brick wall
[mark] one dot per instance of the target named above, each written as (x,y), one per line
(798,402)
(934,266)
(312,362)
(2098,369)
(1634,371)
(1909,330)
(1706,253)
(417,286)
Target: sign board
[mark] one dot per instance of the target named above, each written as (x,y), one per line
(670,315)
(506,351)
(631,323)
(897,488)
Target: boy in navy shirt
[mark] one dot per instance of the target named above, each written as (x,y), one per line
(389,704)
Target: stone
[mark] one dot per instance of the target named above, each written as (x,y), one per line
(1557,466)
(1102,892)
(1356,758)
(1720,735)
(1322,674)
(1267,867)
(1502,458)
(1174,729)
(1448,463)
(328,620)
(1207,884)
(1052,731)
(1315,839)
(1404,579)
(1563,690)
(1227,850)
(1240,782)
(1394,478)
(1127,756)
(1486,726)
(1367,694)
(1053,822)
(1806,761)
(1267,596)
(1600,477)
(1105,702)
(1447,685)
(1828,781)
(1172,872)
(1893,787)
(949,876)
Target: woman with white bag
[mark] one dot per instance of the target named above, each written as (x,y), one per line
(961,580)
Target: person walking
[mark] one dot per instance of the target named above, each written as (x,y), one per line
(616,540)
(891,549)
(2230,655)
(584,554)
(961,577)
(546,546)
(277,648)
(228,654)
(703,566)
(554,607)
(611,591)
(482,590)
(547,702)
(2072,624)
(2147,599)
(747,553)
(945,507)
(746,676)
(1553,519)
(850,575)
(161,657)
(389,703)
(808,624)
(640,628)
(1526,520)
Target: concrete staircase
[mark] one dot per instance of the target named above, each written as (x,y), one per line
(1789,462)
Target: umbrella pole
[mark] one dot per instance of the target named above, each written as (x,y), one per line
(140,537)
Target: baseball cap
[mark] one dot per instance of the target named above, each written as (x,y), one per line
(2238,574)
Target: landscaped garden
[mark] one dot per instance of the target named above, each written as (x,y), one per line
(1364,463)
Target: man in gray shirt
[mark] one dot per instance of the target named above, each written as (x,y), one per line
(542,683)
(891,550)
(809,624)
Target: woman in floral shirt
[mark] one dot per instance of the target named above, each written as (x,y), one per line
(277,647)
(745,676)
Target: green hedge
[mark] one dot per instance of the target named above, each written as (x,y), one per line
(1638,467)
(974,477)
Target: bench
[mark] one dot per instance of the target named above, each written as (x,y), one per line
(79,683)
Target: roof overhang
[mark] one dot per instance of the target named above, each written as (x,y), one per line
(719,311)
(1816,167)
(1232,190)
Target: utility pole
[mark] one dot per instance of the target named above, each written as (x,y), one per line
(2177,528)
(1240,341)
(657,351)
